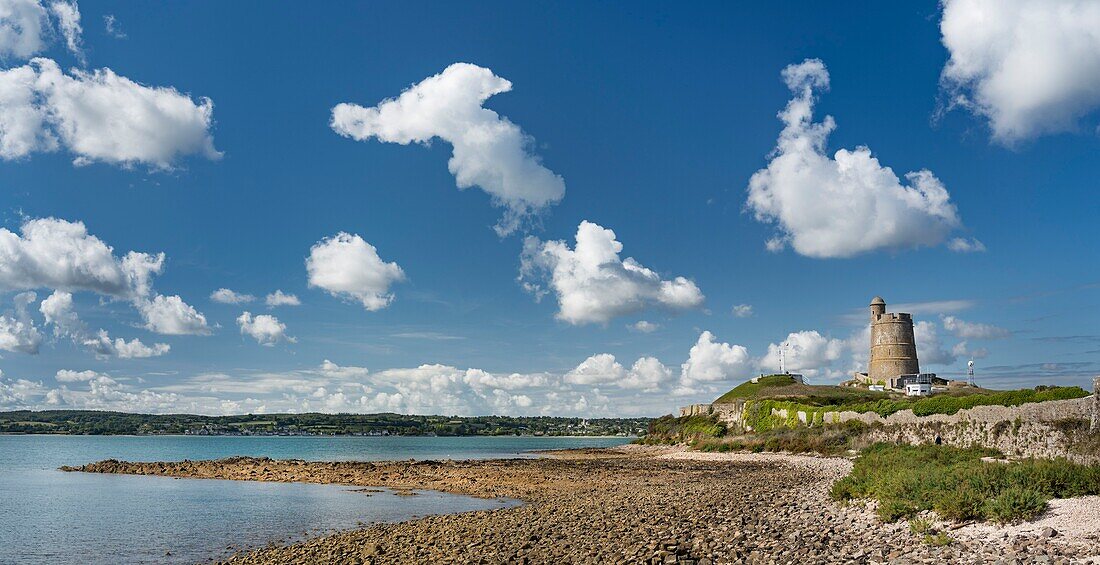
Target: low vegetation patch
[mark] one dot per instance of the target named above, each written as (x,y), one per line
(688,429)
(758,413)
(906,480)
(827,440)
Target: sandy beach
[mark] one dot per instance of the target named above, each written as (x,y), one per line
(634,504)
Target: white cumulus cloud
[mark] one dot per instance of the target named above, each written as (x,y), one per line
(593,284)
(24,25)
(123,350)
(930,347)
(227,296)
(68,21)
(69,376)
(490,152)
(100,116)
(844,205)
(711,361)
(973,330)
(647,374)
(279,298)
(348,267)
(17,329)
(742,310)
(806,352)
(62,255)
(964,245)
(1030,67)
(265,329)
(58,311)
(170,315)
(644,326)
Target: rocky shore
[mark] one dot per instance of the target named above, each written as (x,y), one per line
(627,505)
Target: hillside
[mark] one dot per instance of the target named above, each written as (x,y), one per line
(786,387)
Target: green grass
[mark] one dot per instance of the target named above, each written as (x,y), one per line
(749,389)
(957,485)
(784,386)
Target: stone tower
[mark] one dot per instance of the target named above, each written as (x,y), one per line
(893,345)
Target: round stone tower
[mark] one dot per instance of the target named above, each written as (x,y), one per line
(893,345)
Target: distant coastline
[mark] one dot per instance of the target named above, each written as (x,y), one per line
(92,422)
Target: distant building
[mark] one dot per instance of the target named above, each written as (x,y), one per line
(894,364)
(798,378)
(918,389)
(893,345)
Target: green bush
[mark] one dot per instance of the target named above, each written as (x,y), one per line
(828,440)
(918,526)
(958,485)
(963,503)
(941,539)
(1015,503)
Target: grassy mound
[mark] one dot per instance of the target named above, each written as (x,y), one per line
(784,386)
(958,485)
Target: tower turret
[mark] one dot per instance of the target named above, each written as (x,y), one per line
(878,307)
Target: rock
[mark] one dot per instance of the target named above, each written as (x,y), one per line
(599,506)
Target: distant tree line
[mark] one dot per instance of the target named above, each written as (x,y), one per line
(94,422)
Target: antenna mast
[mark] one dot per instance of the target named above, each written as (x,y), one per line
(970,372)
(783,357)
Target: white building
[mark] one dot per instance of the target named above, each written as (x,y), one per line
(918,389)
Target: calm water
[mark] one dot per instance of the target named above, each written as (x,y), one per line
(47,516)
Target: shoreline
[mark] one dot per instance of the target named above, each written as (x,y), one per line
(530,436)
(631,503)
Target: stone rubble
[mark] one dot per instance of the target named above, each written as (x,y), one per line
(614,506)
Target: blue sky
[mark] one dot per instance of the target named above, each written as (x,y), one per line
(655,117)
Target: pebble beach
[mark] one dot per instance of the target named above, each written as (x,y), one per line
(631,505)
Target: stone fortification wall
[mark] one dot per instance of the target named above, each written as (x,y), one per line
(1046,440)
(1077,408)
(695,410)
(1055,428)
(1038,429)
(730,414)
(1096,404)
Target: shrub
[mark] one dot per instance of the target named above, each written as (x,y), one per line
(963,503)
(957,485)
(940,539)
(891,509)
(1015,503)
(919,526)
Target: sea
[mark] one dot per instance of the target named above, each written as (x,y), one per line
(48,516)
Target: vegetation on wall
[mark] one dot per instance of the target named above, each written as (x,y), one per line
(827,440)
(758,413)
(958,485)
(688,429)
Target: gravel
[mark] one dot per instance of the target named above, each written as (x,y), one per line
(615,505)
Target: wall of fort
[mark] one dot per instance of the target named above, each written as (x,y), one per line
(1056,428)
(731,414)
(1014,438)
